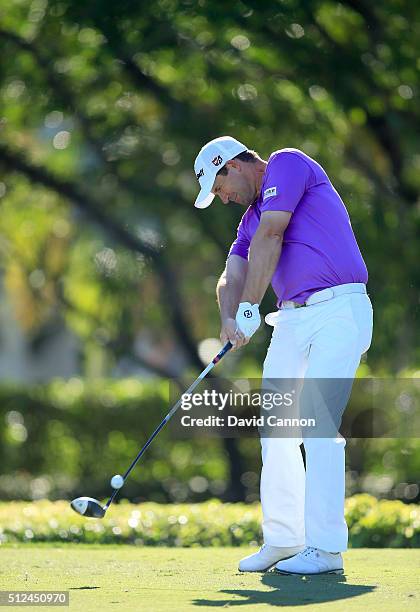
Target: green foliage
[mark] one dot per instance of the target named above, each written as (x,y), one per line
(98,132)
(372,523)
(68,438)
(118,104)
(382,523)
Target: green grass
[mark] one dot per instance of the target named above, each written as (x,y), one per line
(128,578)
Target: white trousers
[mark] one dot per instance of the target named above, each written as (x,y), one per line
(324,340)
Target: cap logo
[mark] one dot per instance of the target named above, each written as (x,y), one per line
(200,174)
(217,160)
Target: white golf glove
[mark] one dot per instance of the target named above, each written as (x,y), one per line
(248,318)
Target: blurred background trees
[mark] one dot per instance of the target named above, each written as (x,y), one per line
(107,270)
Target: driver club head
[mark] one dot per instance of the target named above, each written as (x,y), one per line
(88,506)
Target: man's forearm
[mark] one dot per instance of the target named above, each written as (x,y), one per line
(264,255)
(228,293)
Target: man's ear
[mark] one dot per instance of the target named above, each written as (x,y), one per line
(233,163)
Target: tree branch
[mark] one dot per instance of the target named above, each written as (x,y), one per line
(59,86)
(96,213)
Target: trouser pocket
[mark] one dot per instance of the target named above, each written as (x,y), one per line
(363,316)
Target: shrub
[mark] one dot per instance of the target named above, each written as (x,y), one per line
(372,523)
(51,437)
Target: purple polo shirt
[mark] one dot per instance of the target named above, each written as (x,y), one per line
(319,247)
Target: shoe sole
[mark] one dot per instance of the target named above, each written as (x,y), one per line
(259,571)
(338,572)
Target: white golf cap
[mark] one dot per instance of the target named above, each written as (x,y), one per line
(211,158)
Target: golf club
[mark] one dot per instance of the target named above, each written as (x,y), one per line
(90,507)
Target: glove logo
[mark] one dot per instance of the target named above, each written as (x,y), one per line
(248,318)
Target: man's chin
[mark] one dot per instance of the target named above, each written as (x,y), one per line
(247,203)
(242,202)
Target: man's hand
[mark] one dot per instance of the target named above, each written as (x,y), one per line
(248,319)
(231,332)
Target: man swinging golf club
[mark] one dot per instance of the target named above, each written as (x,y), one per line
(296,234)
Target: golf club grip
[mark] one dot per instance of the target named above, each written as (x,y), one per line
(223,352)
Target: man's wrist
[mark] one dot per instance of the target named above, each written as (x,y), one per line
(251,299)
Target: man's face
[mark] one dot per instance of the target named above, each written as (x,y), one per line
(238,185)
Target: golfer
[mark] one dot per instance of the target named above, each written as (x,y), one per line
(295,234)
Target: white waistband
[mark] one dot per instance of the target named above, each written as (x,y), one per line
(319,296)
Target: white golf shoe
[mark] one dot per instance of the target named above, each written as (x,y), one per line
(312,561)
(266,557)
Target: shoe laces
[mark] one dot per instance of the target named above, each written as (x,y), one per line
(310,550)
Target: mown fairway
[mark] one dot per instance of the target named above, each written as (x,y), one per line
(156,579)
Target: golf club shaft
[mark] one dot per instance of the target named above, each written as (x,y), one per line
(170,414)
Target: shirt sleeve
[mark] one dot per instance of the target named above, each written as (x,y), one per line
(241,245)
(286,181)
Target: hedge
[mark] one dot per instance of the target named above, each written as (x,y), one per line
(52,437)
(372,523)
